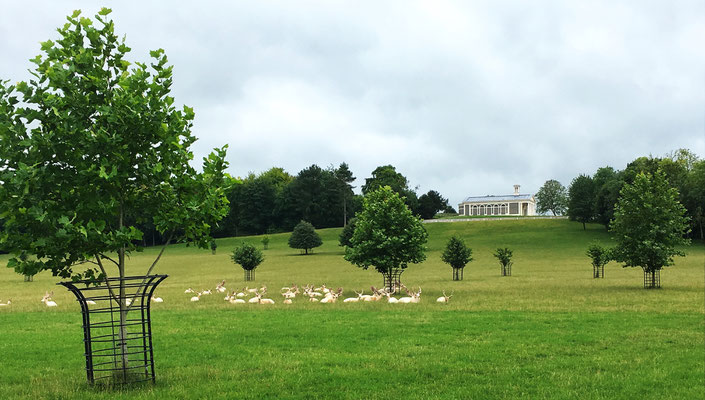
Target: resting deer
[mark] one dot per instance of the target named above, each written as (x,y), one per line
(391,299)
(354,299)
(9,301)
(221,287)
(47,299)
(235,300)
(197,297)
(332,296)
(241,293)
(206,292)
(189,290)
(259,299)
(413,297)
(157,299)
(444,298)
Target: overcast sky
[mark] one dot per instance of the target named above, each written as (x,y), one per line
(467,98)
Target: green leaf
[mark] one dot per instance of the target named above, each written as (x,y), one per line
(76,13)
(104,11)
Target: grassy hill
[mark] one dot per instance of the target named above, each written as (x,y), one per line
(548,331)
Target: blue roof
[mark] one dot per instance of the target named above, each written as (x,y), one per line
(507,197)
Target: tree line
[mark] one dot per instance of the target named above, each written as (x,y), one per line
(592,198)
(276,201)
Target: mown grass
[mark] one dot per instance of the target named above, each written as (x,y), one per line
(548,331)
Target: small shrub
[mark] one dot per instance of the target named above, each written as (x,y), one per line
(265,242)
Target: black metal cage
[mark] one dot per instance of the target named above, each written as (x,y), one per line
(117,328)
(458,274)
(598,271)
(507,270)
(392,280)
(652,279)
(249,274)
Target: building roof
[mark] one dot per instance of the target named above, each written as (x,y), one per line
(507,197)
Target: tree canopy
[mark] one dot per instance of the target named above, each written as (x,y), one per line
(387,175)
(430,203)
(553,197)
(456,253)
(93,146)
(387,236)
(304,237)
(248,256)
(649,223)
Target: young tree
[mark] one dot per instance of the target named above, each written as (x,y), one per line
(457,254)
(91,147)
(346,234)
(304,237)
(649,224)
(265,242)
(552,197)
(387,236)
(249,257)
(600,256)
(581,195)
(504,255)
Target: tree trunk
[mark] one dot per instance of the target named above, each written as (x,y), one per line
(345,212)
(584,226)
(122,333)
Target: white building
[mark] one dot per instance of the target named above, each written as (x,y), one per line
(511,204)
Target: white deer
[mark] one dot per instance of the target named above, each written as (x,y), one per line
(390,298)
(414,297)
(444,298)
(235,300)
(157,299)
(354,299)
(189,290)
(242,293)
(221,287)
(47,299)
(197,297)
(332,296)
(206,292)
(9,301)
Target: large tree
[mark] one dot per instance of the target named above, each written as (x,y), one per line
(649,224)
(345,177)
(387,175)
(91,147)
(387,235)
(581,196)
(552,197)
(430,203)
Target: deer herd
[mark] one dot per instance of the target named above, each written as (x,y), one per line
(309,293)
(313,294)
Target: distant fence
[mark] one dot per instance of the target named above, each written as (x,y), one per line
(429,221)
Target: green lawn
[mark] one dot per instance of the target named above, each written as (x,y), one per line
(548,331)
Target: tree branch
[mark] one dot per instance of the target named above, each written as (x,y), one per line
(110,288)
(141,287)
(109,259)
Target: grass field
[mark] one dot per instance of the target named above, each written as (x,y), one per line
(548,331)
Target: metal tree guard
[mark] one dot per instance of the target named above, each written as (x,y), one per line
(249,274)
(458,274)
(392,280)
(507,270)
(598,271)
(111,357)
(652,279)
